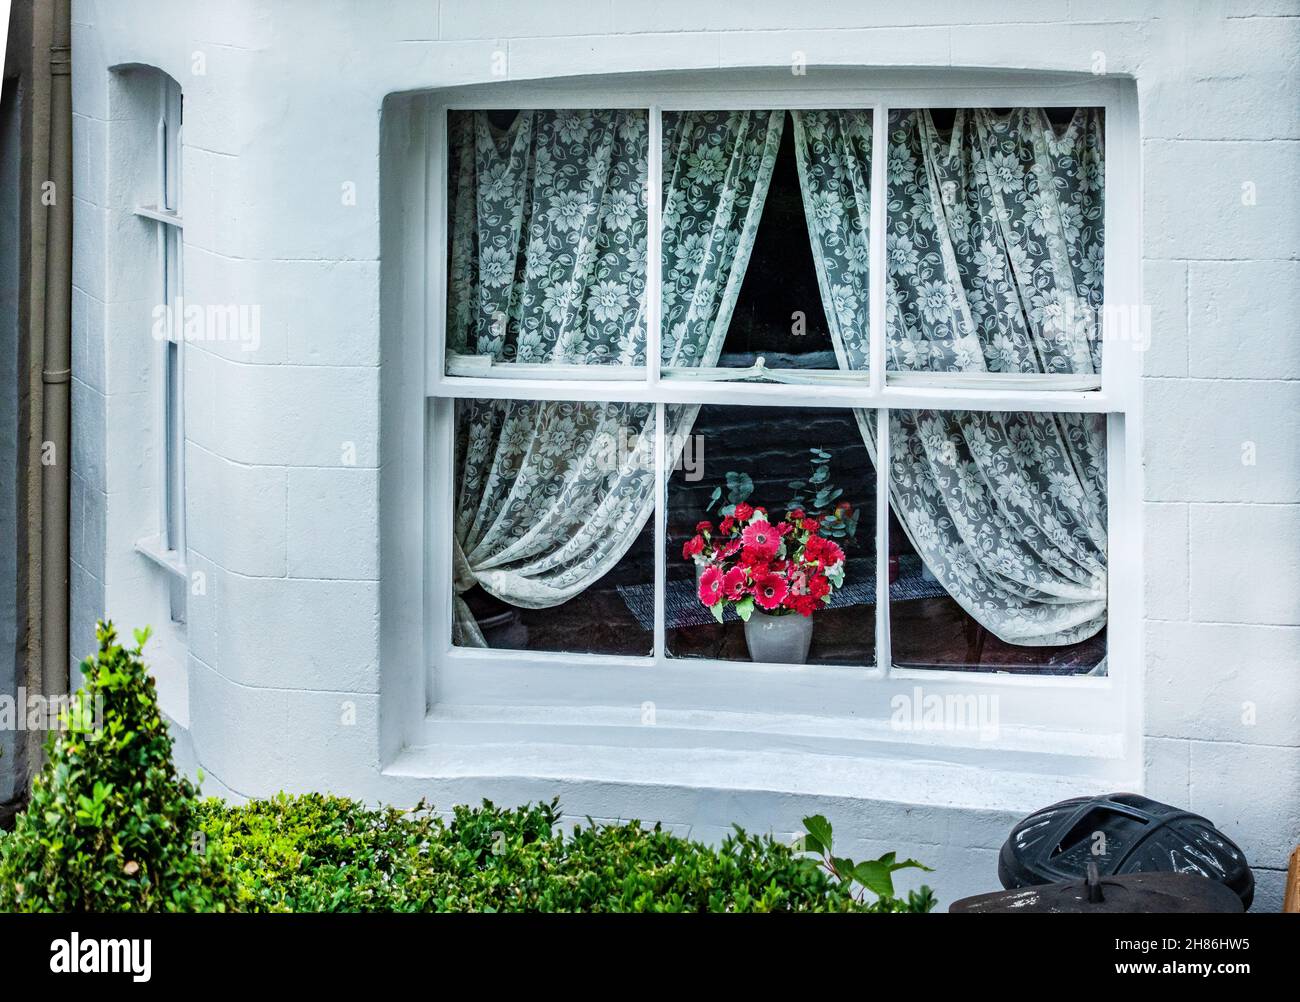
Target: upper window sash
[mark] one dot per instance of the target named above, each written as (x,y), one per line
(1110,391)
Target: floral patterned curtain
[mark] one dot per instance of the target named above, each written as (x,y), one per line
(833,149)
(994,255)
(548,266)
(994,245)
(717,167)
(548,237)
(549,497)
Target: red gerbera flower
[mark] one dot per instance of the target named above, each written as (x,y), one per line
(729,549)
(822,552)
(711,586)
(769,591)
(734,584)
(805,605)
(762,539)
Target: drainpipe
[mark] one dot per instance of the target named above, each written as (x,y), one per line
(57,371)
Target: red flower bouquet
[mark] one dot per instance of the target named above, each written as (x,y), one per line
(783,568)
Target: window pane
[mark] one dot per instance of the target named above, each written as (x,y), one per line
(546,238)
(782,460)
(765,241)
(553,531)
(174,447)
(1001,520)
(994,241)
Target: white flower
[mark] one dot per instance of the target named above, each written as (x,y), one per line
(706,165)
(609,301)
(538,259)
(901,253)
(559,300)
(632,127)
(901,166)
(1004,354)
(990,260)
(692,253)
(1003,172)
(858,253)
(1065,488)
(827,207)
(845,303)
(498,182)
(1071,221)
(1047,311)
(530,347)
(1041,212)
(935,301)
(496,267)
(1092,266)
(569,211)
(572,127)
(621,210)
(560,438)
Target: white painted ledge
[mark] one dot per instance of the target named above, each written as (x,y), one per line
(826,758)
(153,550)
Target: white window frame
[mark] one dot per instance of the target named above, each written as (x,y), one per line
(1093,722)
(167,548)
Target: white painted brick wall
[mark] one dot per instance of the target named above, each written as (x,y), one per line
(286,534)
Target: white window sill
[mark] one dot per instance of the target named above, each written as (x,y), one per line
(823,757)
(153,550)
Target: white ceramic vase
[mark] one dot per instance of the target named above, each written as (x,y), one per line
(778,639)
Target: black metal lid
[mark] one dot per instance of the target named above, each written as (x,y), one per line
(1121,833)
(1117,894)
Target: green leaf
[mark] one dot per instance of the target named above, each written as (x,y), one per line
(716,609)
(843,866)
(875,877)
(745,608)
(739,486)
(819,828)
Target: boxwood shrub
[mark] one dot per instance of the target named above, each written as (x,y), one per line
(111,826)
(321,853)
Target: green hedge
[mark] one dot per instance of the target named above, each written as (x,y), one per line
(112,827)
(322,853)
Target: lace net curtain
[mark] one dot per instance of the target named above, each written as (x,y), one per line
(994,258)
(548,264)
(994,252)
